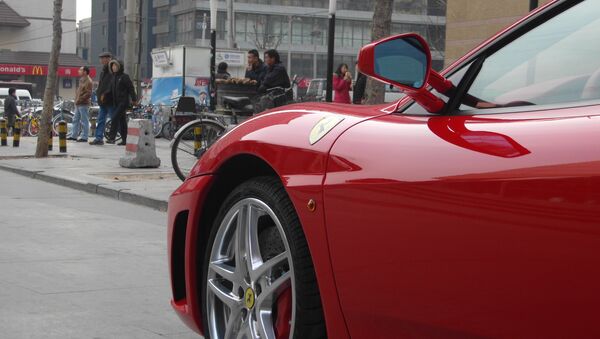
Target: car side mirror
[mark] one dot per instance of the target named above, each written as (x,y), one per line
(403,61)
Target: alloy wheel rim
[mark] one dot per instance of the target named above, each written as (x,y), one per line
(243,288)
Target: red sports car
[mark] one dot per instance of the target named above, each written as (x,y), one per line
(470,208)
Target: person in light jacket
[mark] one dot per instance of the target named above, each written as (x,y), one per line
(83,101)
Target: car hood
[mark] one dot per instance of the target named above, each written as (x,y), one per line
(283,136)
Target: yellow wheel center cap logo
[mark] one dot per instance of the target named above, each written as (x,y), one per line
(249,298)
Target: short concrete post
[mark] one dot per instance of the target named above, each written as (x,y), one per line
(140,150)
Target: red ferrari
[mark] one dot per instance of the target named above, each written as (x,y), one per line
(469,209)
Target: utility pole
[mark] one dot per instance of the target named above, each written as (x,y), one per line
(131,30)
(137,79)
(231,25)
(330,51)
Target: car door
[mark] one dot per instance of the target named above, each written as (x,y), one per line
(481,222)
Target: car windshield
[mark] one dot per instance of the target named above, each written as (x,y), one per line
(556,62)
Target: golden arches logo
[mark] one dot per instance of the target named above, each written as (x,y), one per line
(37,70)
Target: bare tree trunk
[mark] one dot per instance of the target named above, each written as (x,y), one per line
(46,120)
(381,27)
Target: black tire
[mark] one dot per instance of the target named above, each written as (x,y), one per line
(107,131)
(211,132)
(309,319)
(168,130)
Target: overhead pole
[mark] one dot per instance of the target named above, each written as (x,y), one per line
(230,25)
(330,51)
(138,75)
(213,53)
(131,30)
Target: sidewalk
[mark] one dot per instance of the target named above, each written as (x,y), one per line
(95,169)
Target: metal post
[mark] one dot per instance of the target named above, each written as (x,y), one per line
(50,132)
(3,132)
(533,4)
(183,74)
(213,53)
(197,140)
(330,51)
(62,136)
(289,53)
(17,133)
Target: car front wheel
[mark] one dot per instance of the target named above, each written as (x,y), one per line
(259,280)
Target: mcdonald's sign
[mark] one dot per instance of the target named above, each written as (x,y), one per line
(42,70)
(37,70)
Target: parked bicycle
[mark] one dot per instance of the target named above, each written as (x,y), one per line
(195,137)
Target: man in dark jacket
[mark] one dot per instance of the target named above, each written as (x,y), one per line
(11,112)
(256,69)
(276,77)
(105,100)
(359,89)
(123,90)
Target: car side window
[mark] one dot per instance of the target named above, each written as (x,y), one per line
(555,63)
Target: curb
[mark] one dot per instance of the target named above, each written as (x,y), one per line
(99,189)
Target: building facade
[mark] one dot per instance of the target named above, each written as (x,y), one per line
(26,40)
(108,32)
(84,36)
(470,22)
(264,24)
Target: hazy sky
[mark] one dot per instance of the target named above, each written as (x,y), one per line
(84,9)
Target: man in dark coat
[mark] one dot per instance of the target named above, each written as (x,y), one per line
(256,69)
(359,89)
(11,112)
(276,77)
(105,100)
(123,95)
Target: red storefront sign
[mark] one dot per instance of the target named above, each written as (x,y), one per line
(63,71)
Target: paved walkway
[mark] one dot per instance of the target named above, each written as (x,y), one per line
(95,169)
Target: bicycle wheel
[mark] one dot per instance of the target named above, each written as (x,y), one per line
(168,130)
(107,131)
(33,127)
(186,149)
(68,118)
(157,126)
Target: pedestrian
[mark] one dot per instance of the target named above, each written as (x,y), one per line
(105,99)
(256,69)
(222,71)
(359,89)
(276,76)
(342,83)
(82,105)
(11,112)
(123,95)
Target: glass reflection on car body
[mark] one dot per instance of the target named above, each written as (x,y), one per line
(402,60)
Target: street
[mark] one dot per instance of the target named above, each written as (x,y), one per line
(78,265)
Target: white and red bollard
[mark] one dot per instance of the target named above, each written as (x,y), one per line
(140,151)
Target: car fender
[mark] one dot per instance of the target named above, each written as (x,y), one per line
(280,138)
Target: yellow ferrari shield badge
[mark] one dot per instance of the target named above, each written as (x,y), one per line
(249,298)
(323,127)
